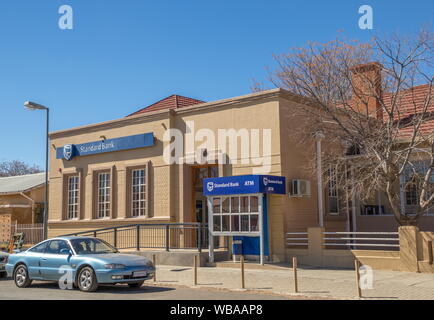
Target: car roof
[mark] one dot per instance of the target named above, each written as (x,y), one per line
(71,238)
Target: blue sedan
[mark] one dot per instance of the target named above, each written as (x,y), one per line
(84,262)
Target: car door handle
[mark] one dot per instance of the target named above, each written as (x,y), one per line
(44,259)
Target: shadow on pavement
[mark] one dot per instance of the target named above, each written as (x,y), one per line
(178,270)
(114,289)
(124,289)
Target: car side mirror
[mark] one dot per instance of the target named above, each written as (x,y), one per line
(65,252)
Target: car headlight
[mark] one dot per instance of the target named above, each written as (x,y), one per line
(149,263)
(114,266)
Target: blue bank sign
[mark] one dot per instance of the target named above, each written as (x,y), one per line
(70,151)
(244,184)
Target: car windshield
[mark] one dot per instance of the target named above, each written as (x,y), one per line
(92,246)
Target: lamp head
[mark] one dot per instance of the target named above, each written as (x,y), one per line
(34,106)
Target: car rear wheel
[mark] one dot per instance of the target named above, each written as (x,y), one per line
(21,276)
(87,280)
(136,284)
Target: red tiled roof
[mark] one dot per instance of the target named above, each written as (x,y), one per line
(412,102)
(172,102)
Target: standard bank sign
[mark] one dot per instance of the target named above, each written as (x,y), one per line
(70,151)
(244,184)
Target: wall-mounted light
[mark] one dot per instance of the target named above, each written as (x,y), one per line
(103,137)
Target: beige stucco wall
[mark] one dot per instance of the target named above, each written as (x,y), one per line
(170,184)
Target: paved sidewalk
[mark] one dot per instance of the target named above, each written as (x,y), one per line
(312,283)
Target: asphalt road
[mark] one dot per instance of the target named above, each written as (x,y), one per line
(50,291)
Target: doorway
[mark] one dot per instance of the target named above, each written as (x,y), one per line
(199,201)
(199,173)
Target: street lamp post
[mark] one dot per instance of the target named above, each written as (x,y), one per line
(35,106)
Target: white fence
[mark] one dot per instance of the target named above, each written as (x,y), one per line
(362,240)
(345,240)
(33,233)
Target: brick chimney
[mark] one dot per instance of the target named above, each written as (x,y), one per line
(366,80)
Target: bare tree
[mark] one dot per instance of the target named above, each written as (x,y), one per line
(16,168)
(377,117)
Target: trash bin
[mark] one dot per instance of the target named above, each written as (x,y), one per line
(237,249)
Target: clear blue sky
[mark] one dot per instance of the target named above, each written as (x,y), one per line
(123,55)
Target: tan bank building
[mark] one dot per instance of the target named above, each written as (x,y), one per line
(232,165)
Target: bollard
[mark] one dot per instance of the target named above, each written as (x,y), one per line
(195,269)
(357,266)
(242,272)
(154,261)
(294,267)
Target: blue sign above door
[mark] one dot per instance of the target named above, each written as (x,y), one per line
(70,151)
(244,184)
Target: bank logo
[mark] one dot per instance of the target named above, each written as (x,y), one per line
(265,181)
(67,152)
(210,186)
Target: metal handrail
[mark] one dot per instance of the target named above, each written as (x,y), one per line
(362,232)
(197,224)
(373,239)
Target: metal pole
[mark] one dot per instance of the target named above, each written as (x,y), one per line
(115,235)
(138,238)
(167,237)
(261,230)
(357,266)
(154,261)
(199,236)
(318,137)
(45,218)
(294,267)
(210,228)
(195,269)
(242,273)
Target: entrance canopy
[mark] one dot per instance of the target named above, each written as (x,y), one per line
(243,185)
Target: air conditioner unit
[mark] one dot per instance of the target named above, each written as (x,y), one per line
(300,188)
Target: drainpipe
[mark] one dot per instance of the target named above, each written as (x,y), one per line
(33,205)
(318,137)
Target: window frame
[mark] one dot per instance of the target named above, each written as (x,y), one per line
(65,194)
(332,188)
(76,197)
(239,214)
(107,187)
(129,207)
(141,195)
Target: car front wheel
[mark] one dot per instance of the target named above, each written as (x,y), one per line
(87,280)
(136,284)
(21,276)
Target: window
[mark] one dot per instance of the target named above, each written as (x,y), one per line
(411,183)
(333,191)
(138,193)
(372,210)
(56,246)
(92,246)
(40,248)
(236,214)
(411,194)
(73,188)
(103,204)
